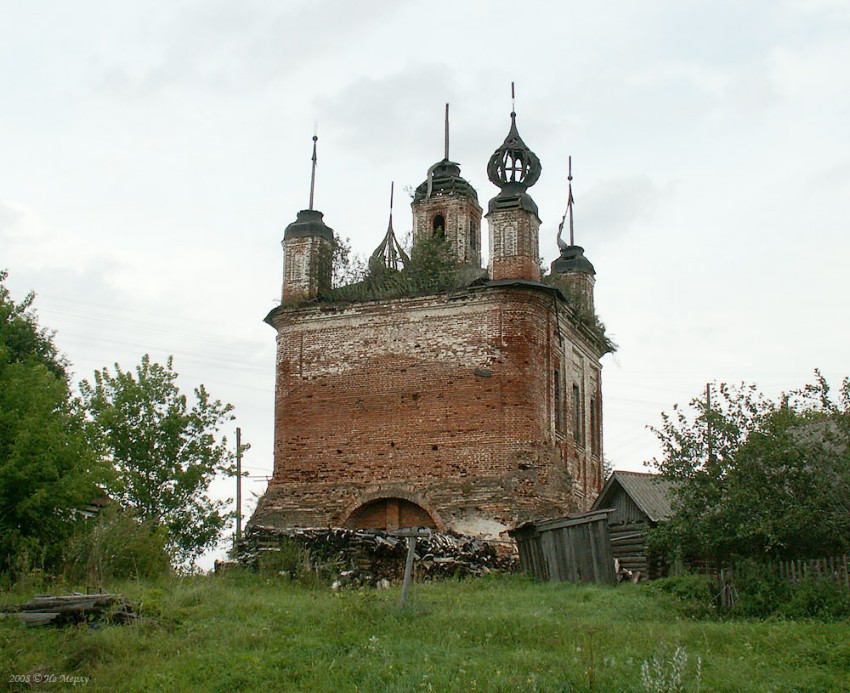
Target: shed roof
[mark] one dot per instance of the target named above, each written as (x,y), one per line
(651,493)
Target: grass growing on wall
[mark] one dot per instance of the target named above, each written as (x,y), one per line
(249,632)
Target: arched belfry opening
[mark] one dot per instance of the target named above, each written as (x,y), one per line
(438,226)
(389,514)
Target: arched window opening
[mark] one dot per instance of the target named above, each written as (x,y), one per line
(439,226)
(389,514)
(578,417)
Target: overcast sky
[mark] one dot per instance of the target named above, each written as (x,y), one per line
(151,155)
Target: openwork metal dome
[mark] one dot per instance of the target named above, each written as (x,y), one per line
(513,167)
(389,253)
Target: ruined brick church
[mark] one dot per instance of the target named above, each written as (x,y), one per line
(468,409)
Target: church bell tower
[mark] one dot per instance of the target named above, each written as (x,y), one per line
(512,214)
(446,206)
(308,245)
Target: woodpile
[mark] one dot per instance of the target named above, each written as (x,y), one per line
(357,557)
(73,608)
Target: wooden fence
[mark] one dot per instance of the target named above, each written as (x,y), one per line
(834,568)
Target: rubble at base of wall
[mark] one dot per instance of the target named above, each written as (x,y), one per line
(355,557)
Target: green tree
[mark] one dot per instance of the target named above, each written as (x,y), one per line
(164,452)
(758,478)
(47,469)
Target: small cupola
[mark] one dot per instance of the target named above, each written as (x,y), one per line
(445,206)
(308,245)
(572,272)
(572,260)
(512,215)
(513,168)
(308,223)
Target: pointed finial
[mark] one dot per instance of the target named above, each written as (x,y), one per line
(447,133)
(313,173)
(513,165)
(392,188)
(569,210)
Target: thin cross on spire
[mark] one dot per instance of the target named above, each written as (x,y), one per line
(313,173)
(447,133)
(392,188)
(513,99)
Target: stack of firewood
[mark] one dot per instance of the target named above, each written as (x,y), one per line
(361,556)
(73,608)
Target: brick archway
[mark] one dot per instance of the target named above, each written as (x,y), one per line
(389,514)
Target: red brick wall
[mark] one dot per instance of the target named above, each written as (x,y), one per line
(444,402)
(462,230)
(514,247)
(306,267)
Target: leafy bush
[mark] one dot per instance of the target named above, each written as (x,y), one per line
(694,595)
(760,591)
(432,269)
(118,546)
(820,599)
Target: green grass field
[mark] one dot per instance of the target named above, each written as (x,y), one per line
(249,632)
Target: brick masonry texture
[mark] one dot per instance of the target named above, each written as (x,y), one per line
(303,272)
(462,217)
(514,245)
(445,402)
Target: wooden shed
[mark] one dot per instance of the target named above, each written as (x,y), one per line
(638,502)
(570,549)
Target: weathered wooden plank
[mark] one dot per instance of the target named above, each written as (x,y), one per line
(37,618)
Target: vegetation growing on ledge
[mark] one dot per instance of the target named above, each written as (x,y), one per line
(582,312)
(431,270)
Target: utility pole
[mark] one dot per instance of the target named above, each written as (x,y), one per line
(238,489)
(708,419)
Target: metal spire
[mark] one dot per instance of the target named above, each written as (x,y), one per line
(313,173)
(392,190)
(513,100)
(569,211)
(447,133)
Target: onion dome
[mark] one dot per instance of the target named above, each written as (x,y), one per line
(309,223)
(572,261)
(514,168)
(444,179)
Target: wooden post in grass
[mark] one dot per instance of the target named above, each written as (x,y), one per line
(411,534)
(408,571)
